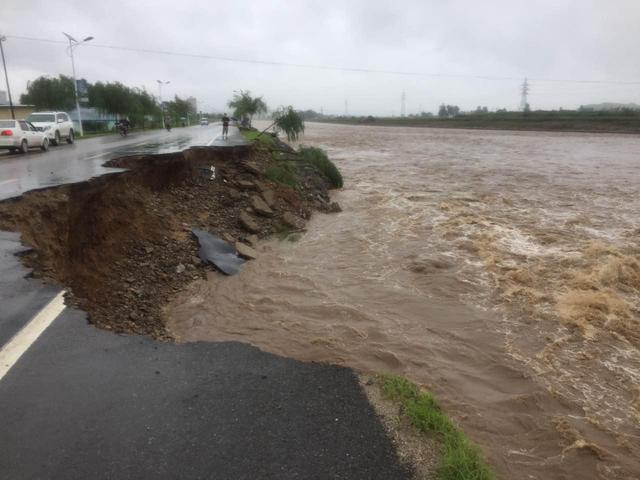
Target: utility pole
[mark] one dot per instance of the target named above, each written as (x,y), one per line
(524,91)
(6,77)
(74,43)
(403,104)
(160,84)
(346,107)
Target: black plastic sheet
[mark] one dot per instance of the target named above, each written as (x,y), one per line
(218,252)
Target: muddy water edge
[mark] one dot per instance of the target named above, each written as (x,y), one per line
(499,269)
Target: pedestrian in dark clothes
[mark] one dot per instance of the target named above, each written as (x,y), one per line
(225,126)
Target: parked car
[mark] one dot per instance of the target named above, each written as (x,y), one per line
(204,122)
(20,135)
(57,126)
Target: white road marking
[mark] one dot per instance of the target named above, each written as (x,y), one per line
(11,180)
(20,343)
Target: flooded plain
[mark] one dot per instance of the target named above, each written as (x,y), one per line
(501,270)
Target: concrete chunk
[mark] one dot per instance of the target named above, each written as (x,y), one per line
(248,223)
(245,251)
(260,207)
(269,197)
(245,185)
(290,220)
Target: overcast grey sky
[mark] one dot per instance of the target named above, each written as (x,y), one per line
(545,39)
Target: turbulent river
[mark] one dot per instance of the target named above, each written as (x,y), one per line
(500,270)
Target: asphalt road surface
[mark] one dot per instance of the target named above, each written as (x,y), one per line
(65,163)
(87,404)
(83,403)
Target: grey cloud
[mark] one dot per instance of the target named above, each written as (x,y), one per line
(565,39)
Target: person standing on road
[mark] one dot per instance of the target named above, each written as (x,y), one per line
(225,126)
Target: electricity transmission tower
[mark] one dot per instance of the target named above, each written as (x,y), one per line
(403,104)
(524,91)
(346,107)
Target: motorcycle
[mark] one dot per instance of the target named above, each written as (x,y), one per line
(168,127)
(123,129)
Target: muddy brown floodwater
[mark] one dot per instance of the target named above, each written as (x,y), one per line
(501,270)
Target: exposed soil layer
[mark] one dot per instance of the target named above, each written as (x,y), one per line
(121,244)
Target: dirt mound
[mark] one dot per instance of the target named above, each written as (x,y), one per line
(121,243)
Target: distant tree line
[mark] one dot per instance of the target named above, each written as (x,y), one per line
(51,93)
(448,111)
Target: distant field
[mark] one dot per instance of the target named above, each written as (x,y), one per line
(566,121)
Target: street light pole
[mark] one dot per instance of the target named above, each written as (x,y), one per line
(6,77)
(74,43)
(160,83)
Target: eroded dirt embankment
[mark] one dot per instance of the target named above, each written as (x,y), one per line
(121,244)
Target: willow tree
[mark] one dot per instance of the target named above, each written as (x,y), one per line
(246,106)
(50,93)
(289,121)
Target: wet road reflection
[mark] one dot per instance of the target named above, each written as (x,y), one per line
(84,160)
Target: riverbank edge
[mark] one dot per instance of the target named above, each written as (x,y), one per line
(129,232)
(425,436)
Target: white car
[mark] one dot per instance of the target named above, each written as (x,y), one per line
(20,135)
(204,122)
(57,125)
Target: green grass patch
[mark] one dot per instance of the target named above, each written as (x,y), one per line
(461,458)
(287,164)
(265,140)
(319,159)
(285,172)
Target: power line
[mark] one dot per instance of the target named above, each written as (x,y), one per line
(326,67)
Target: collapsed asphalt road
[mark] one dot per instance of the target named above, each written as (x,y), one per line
(85,403)
(83,160)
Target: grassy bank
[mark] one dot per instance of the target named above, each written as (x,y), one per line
(290,165)
(264,140)
(562,121)
(461,458)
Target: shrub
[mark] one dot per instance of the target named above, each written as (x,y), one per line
(290,122)
(283,172)
(318,158)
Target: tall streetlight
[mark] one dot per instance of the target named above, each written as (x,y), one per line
(160,84)
(74,43)
(6,76)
